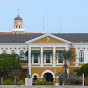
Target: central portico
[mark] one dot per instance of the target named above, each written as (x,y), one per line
(43,55)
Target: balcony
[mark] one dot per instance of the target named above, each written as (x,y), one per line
(24,63)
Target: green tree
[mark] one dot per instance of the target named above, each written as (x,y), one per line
(68,56)
(5,63)
(83,69)
(15,73)
(9,63)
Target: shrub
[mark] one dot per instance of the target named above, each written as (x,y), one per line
(74,78)
(44,83)
(8,82)
(76,81)
(20,82)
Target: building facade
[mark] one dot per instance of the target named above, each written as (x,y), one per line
(42,50)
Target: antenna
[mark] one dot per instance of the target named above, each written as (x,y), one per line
(60,26)
(18,12)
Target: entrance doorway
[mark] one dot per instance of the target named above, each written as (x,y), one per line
(35,78)
(48,77)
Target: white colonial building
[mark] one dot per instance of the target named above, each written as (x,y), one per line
(39,51)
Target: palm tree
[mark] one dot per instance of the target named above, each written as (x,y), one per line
(68,56)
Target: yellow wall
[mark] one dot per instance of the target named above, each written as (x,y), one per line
(74,54)
(40,70)
(51,40)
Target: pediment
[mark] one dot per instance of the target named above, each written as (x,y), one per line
(48,38)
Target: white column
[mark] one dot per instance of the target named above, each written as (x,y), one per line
(17,51)
(67,48)
(54,56)
(8,50)
(29,60)
(1,80)
(85,55)
(41,56)
(0,50)
(83,79)
(67,70)
(77,60)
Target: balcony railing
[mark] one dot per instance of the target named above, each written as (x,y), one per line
(23,61)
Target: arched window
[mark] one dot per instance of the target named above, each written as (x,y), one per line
(22,55)
(19,26)
(16,26)
(4,51)
(81,56)
(13,52)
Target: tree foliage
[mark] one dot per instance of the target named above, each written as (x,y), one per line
(83,69)
(9,63)
(68,56)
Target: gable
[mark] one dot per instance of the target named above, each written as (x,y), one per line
(48,40)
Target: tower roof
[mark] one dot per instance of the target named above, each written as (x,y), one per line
(18,18)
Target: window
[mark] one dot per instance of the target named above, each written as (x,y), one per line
(16,26)
(13,52)
(48,55)
(19,26)
(22,55)
(81,56)
(59,56)
(36,58)
(4,51)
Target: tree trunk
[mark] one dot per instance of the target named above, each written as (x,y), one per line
(65,74)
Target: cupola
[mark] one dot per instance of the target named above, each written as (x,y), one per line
(18,26)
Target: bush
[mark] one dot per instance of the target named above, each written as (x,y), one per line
(44,83)
(76,81)
(8,82)
(20,82)
(74,78)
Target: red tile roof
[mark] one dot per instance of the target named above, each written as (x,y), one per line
(5,32)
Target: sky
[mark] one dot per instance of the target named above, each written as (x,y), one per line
(60,16)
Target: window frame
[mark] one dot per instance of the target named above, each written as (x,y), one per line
(14,51)
(33,58)
(57,56)
(81,56)
(22,58)
(45,58)
(4,52)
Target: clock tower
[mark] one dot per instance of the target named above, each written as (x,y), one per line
(18,26)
